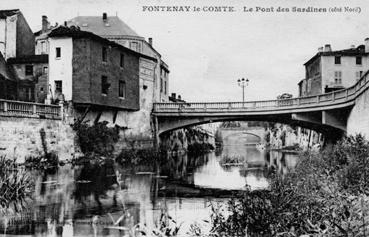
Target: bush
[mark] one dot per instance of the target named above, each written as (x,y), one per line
(98,139)
(15,186)
(326,195)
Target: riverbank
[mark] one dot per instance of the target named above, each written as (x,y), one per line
(325,195)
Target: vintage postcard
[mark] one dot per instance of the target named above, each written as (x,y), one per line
(184,118)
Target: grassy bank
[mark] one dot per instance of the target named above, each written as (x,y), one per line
(326,195)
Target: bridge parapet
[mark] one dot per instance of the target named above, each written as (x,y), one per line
(10,108)
(332,98)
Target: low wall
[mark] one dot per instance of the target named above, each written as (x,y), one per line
(26,137)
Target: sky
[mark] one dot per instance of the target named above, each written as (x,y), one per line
(208,51)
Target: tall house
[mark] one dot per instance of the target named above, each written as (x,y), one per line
(41,36)
(93,72)
(114,29)
(16,37)
(330,70)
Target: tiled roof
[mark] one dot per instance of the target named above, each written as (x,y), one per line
(76,33)
(6,13)
(358,51)
(42,58)
(113,26)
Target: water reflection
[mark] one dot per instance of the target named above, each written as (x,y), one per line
(106,199)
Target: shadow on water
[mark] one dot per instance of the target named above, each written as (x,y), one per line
(92,198)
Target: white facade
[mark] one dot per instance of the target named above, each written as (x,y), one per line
(348,71)
(60,68)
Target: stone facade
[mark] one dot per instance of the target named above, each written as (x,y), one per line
(114,29)
(26,137)
(31,73)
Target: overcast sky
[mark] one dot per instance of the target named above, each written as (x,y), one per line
(208,52)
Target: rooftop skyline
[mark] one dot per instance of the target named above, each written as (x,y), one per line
(207,52)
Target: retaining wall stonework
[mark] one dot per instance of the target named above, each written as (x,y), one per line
(25,137)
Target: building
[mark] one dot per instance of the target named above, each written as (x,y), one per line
(114,29)
(16,37)
(330,70)
(93,72)
(31,73)
(8,84)
(42,36)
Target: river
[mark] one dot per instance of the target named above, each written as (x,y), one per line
(107,199)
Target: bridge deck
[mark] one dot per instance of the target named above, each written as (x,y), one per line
(336,99)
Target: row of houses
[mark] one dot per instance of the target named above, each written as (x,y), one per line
(330,70)
(97,66)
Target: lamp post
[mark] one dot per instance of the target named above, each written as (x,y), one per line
(243,83)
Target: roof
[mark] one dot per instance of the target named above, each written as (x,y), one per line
(42,58)
(358,51)
(76,33)
(113,26)
(6,13)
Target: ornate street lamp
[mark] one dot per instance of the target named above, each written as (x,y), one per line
(243,83)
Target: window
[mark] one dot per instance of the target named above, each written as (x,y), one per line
(135,46)
(58,52)
(45,69)
(337,60)
(43,47)
(359,75)
(58,87)
(165,87)
(161,84)
(337,77)
(104,54)
(121,62)
(122,89)
(29,70)
(358,60)
(104,85)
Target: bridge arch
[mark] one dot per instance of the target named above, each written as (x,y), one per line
(166,125)
(325,113)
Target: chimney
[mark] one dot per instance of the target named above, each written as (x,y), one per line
(327,48)
(179,97)
(45,24)
(320,49)
(174,95)
(150,41)
(105,16)
(367,45)
(65,24)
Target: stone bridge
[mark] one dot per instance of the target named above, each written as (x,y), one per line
(326,113)
(253,134)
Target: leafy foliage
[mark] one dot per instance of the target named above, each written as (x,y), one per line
(326,195)
(98,139)
(15,186)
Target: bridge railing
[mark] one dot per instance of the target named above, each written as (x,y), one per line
(334,97)
(28,109)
